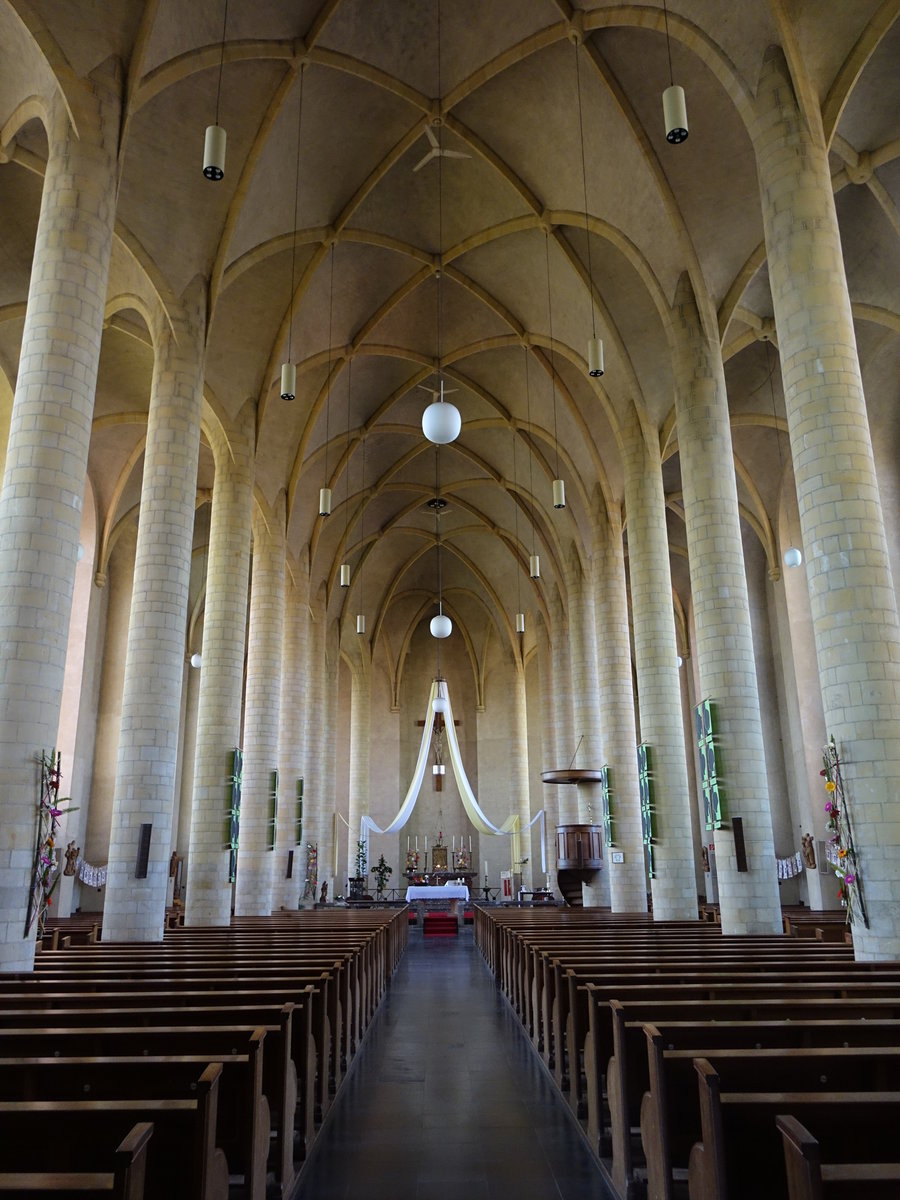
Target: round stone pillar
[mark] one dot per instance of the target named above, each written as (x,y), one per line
(852,596)
(673,884)
(360,758)
(317,814)
(256,866)
(292,742)
(135,908)
(585,714)
(748,899)
(43,482)
(520,794)
(222,671)
(627,879)
(550,702)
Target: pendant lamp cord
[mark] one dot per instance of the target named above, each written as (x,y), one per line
(531,454)
(221,61)
(296,219)
(552,354)
(668,45)
(328,380)
(587,232)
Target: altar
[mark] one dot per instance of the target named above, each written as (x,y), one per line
(423,894)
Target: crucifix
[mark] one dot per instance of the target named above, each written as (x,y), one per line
(437,740)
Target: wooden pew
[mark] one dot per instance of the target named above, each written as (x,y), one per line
(289,1069)
(740,1154)
(124,1182)
(243,1124)
(670,1112)
(809,1178)
(182,1160)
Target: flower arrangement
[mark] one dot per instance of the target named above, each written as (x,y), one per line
(841,852)
(381,873)
(46,872)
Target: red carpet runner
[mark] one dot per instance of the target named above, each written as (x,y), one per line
(439,924)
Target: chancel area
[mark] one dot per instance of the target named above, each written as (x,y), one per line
(450,485)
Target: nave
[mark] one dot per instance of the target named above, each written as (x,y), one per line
(446,1097)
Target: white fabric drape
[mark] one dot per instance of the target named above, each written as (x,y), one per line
(482,823)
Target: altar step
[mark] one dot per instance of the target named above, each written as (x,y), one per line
(438,924)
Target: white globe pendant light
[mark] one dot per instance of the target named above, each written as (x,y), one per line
(792,557)
(441,422)
(441,626)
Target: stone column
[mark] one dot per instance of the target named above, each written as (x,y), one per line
(360,746)
(328,726)
(627,879)
(854,607)
(659,690)
(262,713)
(519,792)
(134,909)
(551,703)
(222,671)
(317,811)
(726,665)
(585,713)
(292,742)
(46,462)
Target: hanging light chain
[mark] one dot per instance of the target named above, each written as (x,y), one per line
(221,61)
(552,353)
(587,232)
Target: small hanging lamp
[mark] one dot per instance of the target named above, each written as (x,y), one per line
(674,106)
(214,141)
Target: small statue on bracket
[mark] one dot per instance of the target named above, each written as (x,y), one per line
(808,849)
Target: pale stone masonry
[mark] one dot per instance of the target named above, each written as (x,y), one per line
(519,791)
(360,736)
(46,462)
(222,671)
(656,663)
(627,879)
(262,704)
(293,739)
(134,909)
(724,649)
(851,589)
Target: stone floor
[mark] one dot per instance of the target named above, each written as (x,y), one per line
(447,1099)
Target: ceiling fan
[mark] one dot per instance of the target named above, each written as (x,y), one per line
(436,150)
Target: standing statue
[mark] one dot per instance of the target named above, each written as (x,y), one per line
(809,851)
(323,894)
(72,852)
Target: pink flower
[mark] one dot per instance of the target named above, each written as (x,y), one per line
(850,878)
(828,806)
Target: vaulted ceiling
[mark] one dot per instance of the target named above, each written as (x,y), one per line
(554,206)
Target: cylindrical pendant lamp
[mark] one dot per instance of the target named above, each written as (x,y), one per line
(361,623)
(214,153)
(288,381)
(559,493)
(675,113)
(520,622)
(534,566)
(345,574)
(325,502)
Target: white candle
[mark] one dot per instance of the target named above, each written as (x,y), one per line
(470,843)
(485,868)
(407,845)
(426,844)
(453,847)
(417,843)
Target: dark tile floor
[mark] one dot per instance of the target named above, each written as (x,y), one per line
(447,1098)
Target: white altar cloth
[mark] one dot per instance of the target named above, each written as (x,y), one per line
(449,891)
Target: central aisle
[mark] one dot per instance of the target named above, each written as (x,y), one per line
(447,1099)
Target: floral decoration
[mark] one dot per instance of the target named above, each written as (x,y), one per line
(46,872)
(840,850)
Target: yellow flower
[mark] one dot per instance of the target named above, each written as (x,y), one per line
(830,786)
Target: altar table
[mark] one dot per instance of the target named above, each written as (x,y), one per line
(454,892)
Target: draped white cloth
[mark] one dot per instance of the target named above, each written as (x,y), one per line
(482,823)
